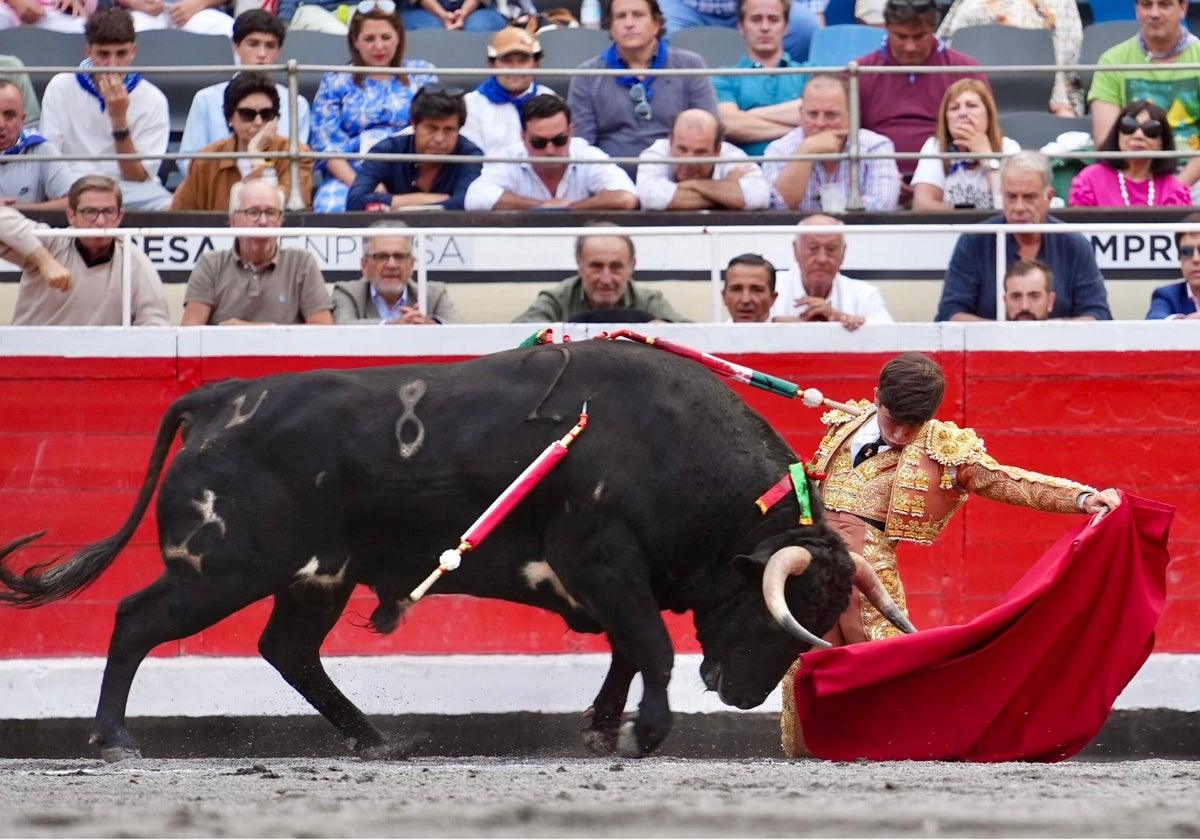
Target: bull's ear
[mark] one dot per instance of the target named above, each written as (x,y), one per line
(750,564)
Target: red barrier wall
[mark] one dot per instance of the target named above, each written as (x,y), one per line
(75,435)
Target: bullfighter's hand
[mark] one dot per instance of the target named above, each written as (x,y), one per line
(1102,502)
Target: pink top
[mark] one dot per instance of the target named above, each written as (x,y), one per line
(1097,185)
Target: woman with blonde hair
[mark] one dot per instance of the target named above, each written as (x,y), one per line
(968,123)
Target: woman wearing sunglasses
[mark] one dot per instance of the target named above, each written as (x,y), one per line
(1133,180)
(252,114)
(353,111)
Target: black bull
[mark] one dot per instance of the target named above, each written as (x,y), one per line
(301,486)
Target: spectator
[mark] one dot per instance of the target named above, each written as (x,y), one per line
(256,281)
(749,289)
(604,282)
(252,114)
(469,15)
(109,113)
(494,108)
(1061,17)
(1178,301)
(967,122)
(734,184)
(27,178)
(801,19)
(904,108)
(625,114)
(824,126)
(1162,41)
(78,282)
(1028,291)
(354,111)
(257,41)
(67,16)
(200,17)
(1133,180)
(387,293)
(815,288)
(438,115)
(969,291)
(545,179)
(759,109)
(12,69)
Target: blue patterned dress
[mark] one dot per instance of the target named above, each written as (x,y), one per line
(345,115)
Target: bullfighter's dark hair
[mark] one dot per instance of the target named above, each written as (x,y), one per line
(113,25)
(245,84)
(1189,219)
(1112,142)
(433,102)
(756,261)
(257,20)
(627,239)
(911,387)
(543,107)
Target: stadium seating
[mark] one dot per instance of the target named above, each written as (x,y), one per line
(451,49)
(42,48)
(166,48)
(995,45)
(566,49)
(719,46)
(314,48)
(1104,11)
(835,46)
(1098,37)
(1034,129)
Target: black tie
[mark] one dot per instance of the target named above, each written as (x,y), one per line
(868,451)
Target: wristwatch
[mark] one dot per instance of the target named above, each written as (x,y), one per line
(993,164)
(121,133)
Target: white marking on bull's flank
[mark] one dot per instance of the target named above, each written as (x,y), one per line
(320,478)
(311,575)
(537,573)
(238,403)
(599,489)
(181,554)
(207,508)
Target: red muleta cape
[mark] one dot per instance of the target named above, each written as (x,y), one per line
(1033,679)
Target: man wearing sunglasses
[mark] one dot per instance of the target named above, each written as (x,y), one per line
(904,107)
(1181,301)
(438,114)
(78,282)
(387,293)
(733,184)
(969,290)
(545,179)
(1162,41)
(257,41)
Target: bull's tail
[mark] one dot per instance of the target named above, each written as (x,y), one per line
(54,579)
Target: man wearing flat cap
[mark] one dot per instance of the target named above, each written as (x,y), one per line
(494,108)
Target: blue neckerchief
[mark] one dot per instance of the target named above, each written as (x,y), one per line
(912,77)
(959,165)
(612,60)
(87,83)
(27,140)
(497,95)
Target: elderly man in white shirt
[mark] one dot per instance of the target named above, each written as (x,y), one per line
(815,288)
(545,179)
(735,183)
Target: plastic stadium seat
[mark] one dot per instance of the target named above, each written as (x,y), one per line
(1034,129)
(566,49)
(313,48)
(719,46)
(1099,37)
(451,49)
(42,48)
(997,45)
(176,48)
(836,46)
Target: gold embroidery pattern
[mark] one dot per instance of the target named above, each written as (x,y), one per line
(1015,486)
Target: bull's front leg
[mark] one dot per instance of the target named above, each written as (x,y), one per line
(602,722)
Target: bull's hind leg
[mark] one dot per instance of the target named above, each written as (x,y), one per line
(177,605)
(292,642)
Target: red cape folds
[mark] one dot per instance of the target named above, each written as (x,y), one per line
(1033,679)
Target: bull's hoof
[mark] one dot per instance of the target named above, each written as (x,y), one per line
(393,750)
(114,754)
(627,742)
(599,735)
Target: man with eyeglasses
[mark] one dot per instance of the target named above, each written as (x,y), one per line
(1026,187)
(438,114)
(545,179)
(1181,301)
(904,106)
(110,113)
(387,292)
(256,281)
(1162,41)
(733,184)
(69,281)
(257,41)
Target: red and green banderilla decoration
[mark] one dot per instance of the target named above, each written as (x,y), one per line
(452,557)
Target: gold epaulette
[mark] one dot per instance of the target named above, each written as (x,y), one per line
(835,416)
(951,446)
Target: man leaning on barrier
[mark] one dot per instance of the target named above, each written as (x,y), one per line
(70,281)
(29,176)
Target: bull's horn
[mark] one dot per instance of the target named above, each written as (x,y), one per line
(872,587)
(787,561)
